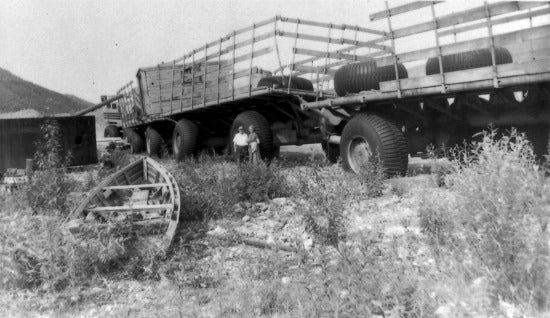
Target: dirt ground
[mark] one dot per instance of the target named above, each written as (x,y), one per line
(204,273)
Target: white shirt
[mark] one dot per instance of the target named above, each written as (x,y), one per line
(241,139)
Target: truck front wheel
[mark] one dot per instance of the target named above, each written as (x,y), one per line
(153,142)
(368,135)
(185,139)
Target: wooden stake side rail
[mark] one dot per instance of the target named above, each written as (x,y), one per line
(223,71)
(505,39)
(500,20)
(401,9)
(470,15)
(480,79)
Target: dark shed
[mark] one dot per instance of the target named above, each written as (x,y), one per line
(18,137)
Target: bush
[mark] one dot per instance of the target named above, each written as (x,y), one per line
(359,280)
(323,207)
(208,187)
(211,186)
(372,177)
(260,182)
(48,188)
(499,218)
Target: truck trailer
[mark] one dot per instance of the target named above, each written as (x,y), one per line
(359,91)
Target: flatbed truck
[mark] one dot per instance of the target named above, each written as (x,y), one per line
(352,88)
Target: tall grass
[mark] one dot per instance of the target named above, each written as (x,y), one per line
(496,225)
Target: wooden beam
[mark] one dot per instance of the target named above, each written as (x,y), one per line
(339,56)
(335,26)
(401,9)
(325,39)
(130,208)
(136,186)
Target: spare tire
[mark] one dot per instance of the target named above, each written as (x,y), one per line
(282,82)
(468,60)
(364,76)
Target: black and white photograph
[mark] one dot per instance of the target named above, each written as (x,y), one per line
(274,158)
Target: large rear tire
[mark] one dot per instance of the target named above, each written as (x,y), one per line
(153,142)
(262,128)
(111,131)
(185,139)
(368,135)
(134,139)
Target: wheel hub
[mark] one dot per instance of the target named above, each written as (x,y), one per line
(177,143)
(360,154)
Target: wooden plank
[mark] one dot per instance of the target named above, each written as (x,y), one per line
(325,39)
(483,24)
(474,14)
(329,55)
(131,208)
(136,186)
(401,9)
(335,26)
(505,39)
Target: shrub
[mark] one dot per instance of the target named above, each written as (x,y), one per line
(323,211)
(260,182)
(372,177)
(359,280)
(49,186)
(499,216)
(208,187)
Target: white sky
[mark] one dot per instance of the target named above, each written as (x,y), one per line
(90,48)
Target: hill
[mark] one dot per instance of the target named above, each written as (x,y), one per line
(17,94)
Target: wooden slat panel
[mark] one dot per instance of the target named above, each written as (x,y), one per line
(474,14)
(471,75)
(334,40)
(505,39)
(401,9)
(483,24)
(237,46)
(229,36)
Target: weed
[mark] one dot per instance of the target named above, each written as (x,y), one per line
(372,176)
(260,182)
(498,217)
(323,211)
(48,188)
